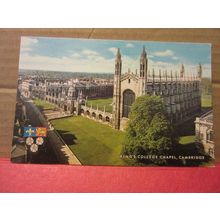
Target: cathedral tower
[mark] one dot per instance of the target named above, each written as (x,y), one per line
(182,71)
(117,90)
(199,71)
(143,72)
(71,98)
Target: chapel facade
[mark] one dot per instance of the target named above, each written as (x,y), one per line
(181,92)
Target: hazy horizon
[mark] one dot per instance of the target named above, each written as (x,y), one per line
(98,56)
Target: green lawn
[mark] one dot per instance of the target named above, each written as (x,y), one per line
(43,105)
(206,101)
(101,103)
(187,139)
(92,142)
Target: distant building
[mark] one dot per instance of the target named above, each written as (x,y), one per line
(181,93)
(25,86)
(64,93)
(204,132)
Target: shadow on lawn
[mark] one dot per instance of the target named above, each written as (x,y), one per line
(40,107)
(186,129)
(206,109)
(67,137)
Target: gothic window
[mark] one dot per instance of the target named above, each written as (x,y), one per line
(128,99)
(201,136)
(211,152)
(209,136)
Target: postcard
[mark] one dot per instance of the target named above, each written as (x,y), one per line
(113,102)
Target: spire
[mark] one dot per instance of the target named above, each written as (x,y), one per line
(153,74)
(143,54)
(199,71)
(160,75)
(143,63)
(118,55)
(118,63)
(182,71)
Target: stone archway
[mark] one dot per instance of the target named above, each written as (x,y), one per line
(128,99)
(107,119)
(94,115)
(100,117)
(87,112)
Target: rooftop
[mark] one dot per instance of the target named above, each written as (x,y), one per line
(207,117)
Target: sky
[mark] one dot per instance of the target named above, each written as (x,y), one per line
(88,55)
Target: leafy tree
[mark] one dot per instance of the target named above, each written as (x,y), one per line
(149,129)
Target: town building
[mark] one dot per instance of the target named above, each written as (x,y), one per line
(204,132)
(64,93)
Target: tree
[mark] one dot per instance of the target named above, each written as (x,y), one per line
(149,129)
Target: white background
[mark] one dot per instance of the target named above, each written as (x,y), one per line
(109,13)
(109,206)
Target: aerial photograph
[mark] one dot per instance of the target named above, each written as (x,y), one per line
(113,103)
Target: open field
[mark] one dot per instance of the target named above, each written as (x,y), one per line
(43,105)
(101,103)
(206,101)
(92,142)
(187,139)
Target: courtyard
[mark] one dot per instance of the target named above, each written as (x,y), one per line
(80,122)
(95,143)
(101,103)
(43,105)
(92,142)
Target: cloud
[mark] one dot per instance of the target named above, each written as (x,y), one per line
(79,63)
(84,64)
(91,61)
(76,55)
(129,45)
(165,53)
(113,50)
(27,44)
(175,58)
(150,56)
(89,52)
